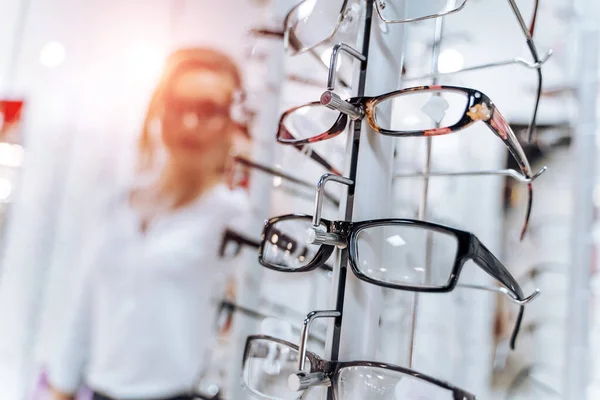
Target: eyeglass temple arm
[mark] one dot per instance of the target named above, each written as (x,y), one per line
(280,174)
(231,235)
(521,61)
(528,32)
(487,261)
(260,315)
(310,317)
(501,290)
(306,149)
(504,172)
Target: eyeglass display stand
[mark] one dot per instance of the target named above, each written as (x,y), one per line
(578,359)
(248,276)
(369,160)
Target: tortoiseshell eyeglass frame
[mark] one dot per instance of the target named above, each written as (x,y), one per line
(478,107)
(331,369)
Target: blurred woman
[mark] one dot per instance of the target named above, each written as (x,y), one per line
(140,316)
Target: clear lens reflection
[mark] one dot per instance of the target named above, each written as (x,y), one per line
(397,254)
(267,367)
(286,245)
(421,110)
(373,383)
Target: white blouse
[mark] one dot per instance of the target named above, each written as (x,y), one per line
(141,315)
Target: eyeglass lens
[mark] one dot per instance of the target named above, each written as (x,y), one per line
(267,367)
(285,244)
(396,254)
(421,110)
(367,382)
(313,21)
(309,121)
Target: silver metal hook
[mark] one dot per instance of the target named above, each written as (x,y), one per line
(504,172)
(316,234)
(334,60)
(518,60)
(310,317)
(320,193)
(503,291)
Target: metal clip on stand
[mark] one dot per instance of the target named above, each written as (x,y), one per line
(315,234)
(302,380)
(329,98)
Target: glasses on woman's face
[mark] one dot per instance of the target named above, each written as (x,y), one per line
(419,111)
(270,365)
(391,253)
(191,115)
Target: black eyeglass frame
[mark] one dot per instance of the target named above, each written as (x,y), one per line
(332,368)
(469,247)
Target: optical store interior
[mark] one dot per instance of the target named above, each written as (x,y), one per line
(284,199)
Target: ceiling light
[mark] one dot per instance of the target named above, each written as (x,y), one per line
(411,120)
(450,61)
(396,241)
(53,54)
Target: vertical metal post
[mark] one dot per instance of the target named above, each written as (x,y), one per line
(347,205)
(438,32)
(371,170)
(585,159)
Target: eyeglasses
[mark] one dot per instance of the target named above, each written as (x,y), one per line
(269,370)
(418,111)
(232,242)
(313,22)
(402,243)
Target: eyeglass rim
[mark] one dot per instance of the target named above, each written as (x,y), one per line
(320,258)
(287,29)
(464,250)
(331,368)
(416,19)
(337,128)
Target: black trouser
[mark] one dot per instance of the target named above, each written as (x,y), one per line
(98,396)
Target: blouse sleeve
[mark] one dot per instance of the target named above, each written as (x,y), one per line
(71,344)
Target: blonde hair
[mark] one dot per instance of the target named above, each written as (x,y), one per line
(180,61)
